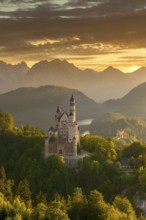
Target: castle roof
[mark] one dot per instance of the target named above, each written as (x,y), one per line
(52,129)
(60,116)
(58,109)
(72,99)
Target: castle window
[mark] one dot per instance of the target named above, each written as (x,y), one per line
(60,152)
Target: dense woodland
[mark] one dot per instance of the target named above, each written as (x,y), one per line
(32,187)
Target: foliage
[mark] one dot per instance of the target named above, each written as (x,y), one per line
(6,122)
(104,149)
(36,188)
(111,123)
(52,138)
(75,207)
(135,149)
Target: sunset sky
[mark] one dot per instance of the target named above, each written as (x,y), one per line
(90,34)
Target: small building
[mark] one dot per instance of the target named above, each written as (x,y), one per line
(67,136)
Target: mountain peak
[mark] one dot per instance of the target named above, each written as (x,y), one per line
(55,61)
(58,61)
(140,70)
(43,62)
(40,64)
(2,62)
(110,68)
(23,65)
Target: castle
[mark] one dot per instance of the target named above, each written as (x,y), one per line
(66,136)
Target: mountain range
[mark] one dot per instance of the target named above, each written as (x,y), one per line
(132,104)
(110,83)
(37,106)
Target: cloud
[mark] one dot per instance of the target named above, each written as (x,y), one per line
(101,27)
(126,30)
(133,59)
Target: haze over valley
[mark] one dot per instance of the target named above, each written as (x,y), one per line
(37,106)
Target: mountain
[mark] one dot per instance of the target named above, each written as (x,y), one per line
(118,125)
(110,83)
(37,106)
(9,73)
(132,104)
(139,75)
(113,83)
(56,72)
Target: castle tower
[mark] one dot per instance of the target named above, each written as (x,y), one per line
(58,112)
(74,147)
(72,109)
(72,125)
(67,136)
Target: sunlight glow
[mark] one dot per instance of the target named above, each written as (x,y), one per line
(133,68)
(43,42)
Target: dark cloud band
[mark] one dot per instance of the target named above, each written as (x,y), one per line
(77,27)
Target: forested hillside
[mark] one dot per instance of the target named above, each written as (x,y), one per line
(112,124)
(32,187)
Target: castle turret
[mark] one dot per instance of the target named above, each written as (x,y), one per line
(58,111)
(65,137)
(74,147)
(73,108)
(57,116)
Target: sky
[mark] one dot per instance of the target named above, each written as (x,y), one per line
(90,34)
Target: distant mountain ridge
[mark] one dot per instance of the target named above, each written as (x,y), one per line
(110,83)
(37,106)
(132,104)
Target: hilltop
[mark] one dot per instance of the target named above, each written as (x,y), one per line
(37,106)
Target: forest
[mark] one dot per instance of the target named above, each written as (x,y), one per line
(32,187)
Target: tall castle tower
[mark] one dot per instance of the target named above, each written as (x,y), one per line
(67,135)
(72,114)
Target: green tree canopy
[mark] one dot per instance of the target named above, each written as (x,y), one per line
(6,122)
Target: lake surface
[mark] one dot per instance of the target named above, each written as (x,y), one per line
(85,122)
